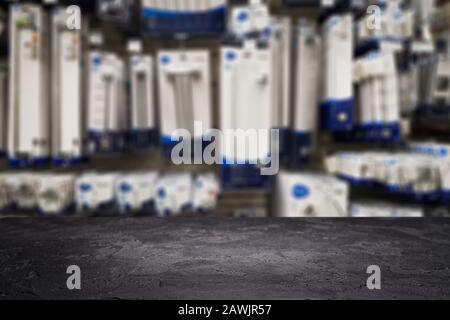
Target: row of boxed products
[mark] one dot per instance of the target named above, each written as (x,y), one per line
(395,68)
(205,17)
(339,54)
(184,85)
(59,127)
(295,196)
(422,174)
(208,17)
(255,89)
(151,17)
(139,192)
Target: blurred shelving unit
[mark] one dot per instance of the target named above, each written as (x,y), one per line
(242,202)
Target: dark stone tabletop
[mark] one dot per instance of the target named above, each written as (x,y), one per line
(205,258)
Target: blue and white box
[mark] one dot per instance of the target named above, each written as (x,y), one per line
(29,107)
(135,193)
(253,18)
(337,112)
(67,113)
(107,112)
(246,105)
(378,103)
(95,192)
(184,83)
(281,46)
(206,192)
(300,195)
(174,194)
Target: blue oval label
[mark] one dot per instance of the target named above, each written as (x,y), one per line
(230,56)
(242,17)
(125,187)
(300,191)
(165,60)
(85,187)
(162,193)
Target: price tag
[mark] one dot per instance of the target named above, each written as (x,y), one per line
(327,3)
(422,47)
(134,46)
(96,38)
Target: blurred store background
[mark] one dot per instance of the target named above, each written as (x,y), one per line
(359,91)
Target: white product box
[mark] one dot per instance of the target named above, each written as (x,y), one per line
(379,210)
(336,108)
(399,23)
(25,190)
(107,114)
(3,106)
(309,195)
(408,82)
(425,13)
(307,78)
(206,192)
(370,72)
(414,172)
(280,45)
(6,196)
(106,108)
(67,121)
(56,193)
(28,130)
(407,172)
(184,91)
(142,93)
(246,101)
(378,89)
(338,57)
(3,22)
(391,105)
(173,194)
(251,18)
(357,166)
(94,191)
(424,10)
(441,154)
(136,192)
(440,82)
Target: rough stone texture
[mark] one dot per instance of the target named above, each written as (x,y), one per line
(218,258)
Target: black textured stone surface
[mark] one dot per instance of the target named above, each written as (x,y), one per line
(224,259)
